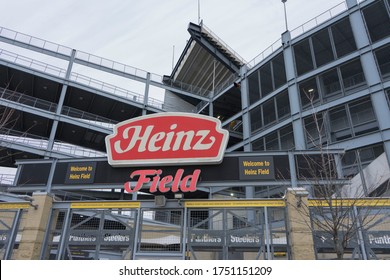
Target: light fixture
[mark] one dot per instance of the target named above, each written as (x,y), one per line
(310,90)
(299,193)
(179,197)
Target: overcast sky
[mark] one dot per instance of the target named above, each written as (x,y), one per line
(142,33)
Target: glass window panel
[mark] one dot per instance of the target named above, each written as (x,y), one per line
(303,59)
(383,59)
(370,153)
(256,118)
(258,145)
(343,38)
(287,138)
(308,92)
(340,128)
(254,89)
(362,112)
(349,157)
(279,70)
(352,74)
(350,164)
(377,21)
(269,114)
(272,142)
(378,150)
(266,79)
(367,154)
(322,48)
(363,117)
(283,105)
(330,83)
(314,128)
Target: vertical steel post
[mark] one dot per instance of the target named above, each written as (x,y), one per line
(12,236)
(47,234)
(267,235)
(360,233)
(184,233)
(64,236)
(137,228)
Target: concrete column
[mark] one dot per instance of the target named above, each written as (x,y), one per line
(246,129)
(357,24)
(33,233)
(382,112)
(293,93)
(351,3)
(298,222)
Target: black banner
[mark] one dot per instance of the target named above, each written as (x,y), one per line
(99,172)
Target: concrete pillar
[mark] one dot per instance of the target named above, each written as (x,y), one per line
(298,222)
(33,233)
(293,93)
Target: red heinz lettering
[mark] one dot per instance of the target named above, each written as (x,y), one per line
(168,139)
(163,185)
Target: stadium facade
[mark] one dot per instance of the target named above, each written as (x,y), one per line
(325,84)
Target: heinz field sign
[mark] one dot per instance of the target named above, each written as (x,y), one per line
(167,139)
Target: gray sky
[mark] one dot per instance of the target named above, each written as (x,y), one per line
(142,33)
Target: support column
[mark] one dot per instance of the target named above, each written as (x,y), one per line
(293,93)
(246,129)
(298,222)
(372,74)
(146,94)
(36,221)
(60,104)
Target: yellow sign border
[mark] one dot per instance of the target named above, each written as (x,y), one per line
(234,203)
(105,205)
(14,205)
(378,202)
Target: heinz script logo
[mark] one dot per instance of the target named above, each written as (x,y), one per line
(167,139)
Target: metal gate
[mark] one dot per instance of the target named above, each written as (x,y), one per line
(160,234)
(240,233)
(91,234)
(125,230)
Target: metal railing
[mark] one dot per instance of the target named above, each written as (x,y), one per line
(226,83)
(264,54)
(77,151)
(321,18)
(51,107)
(34,41)
(32,63)
(205,29)
(89,59)
(88,117)
(130,70)
(41,143)
(105,87)
(314,22)
(17,97)
(79,78)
